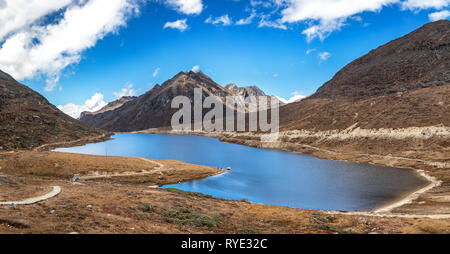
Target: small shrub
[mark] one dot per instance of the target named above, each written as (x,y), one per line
(146,207)
(187,217)
(249,231)
(192,194)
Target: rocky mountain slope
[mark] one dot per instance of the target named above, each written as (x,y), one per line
(246,91)
(153,109)
(28,120)
(404,83)
(252,91)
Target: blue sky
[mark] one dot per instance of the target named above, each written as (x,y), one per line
(286,47)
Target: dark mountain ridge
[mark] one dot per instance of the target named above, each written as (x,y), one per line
(153,109)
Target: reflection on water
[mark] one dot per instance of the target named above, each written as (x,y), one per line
(268,176)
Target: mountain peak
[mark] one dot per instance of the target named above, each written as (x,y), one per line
(231,86)
(153,109)
(6,76)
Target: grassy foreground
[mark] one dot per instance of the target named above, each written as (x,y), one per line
(121,198)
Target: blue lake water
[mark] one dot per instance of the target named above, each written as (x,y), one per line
(268,176)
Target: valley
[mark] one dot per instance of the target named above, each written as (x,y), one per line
(388,108)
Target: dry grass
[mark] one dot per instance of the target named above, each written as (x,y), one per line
(125,170)
(105,206)
(172,172)
(17,189)
(54,164)
(111,208)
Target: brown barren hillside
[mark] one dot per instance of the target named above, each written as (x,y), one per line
(28,120)
(416,108)
(404,83)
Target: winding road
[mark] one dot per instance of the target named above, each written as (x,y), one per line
(56,190)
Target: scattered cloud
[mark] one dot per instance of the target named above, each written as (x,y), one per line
(435,16)
(247,20)
(179,24)
(260,3)
(93,104)
(296,96)
(156,72)
(309,51)
(195,68)
(424,4)
(357,18)
(126,91)
(275,75)
(224,20)
(323,29)
(325,16)
(46,49)
(264,22)
(188,7)
(323,56)
(325,10)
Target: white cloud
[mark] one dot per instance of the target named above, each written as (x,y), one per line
(435,16)
(17,14)
(195,68)
(275,75)
(309,51)
(323,29)
(296,96)
(224,20)
(323,56)
(93,104)
(300,10)
(424,4)
(325,16)
(186,6)
(179,24)
(264,22)
(125,91)
(264,4)
(41,49)
(247,20)
(155,72)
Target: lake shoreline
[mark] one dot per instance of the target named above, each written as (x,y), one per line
(114,206)
(387,209)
